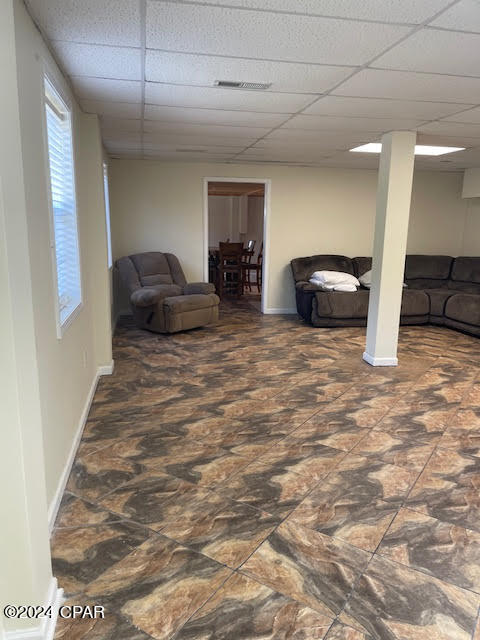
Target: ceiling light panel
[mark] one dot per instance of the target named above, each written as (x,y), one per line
(114,22)
(420,150)
(257,34)
(219,98)
(194,69)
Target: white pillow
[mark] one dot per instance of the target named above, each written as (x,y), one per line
(333,287)
(334,277)
(366,280)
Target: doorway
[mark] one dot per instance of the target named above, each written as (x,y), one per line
(236,213)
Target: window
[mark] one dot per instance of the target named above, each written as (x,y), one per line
(64,242)
(106,195)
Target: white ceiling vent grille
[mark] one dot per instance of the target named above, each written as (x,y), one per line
(256,86)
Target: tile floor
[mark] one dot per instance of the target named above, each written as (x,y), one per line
(257,480)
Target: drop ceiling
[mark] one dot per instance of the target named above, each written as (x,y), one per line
(341,73)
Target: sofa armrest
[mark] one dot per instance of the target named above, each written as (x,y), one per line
(198,287)
(302,285)
(148,296)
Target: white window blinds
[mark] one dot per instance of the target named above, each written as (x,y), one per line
(64,214)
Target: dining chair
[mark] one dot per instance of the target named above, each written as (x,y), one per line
(255,267)
(230,269)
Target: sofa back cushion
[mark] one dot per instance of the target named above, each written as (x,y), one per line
(361,265)
(465,275)
(304,267)
(152,268)
(427,272)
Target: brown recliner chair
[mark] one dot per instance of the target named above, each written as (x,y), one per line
(160,298)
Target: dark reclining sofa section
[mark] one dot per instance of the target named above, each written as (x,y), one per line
(441,290)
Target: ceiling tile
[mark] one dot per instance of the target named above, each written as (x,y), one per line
(404,85)
(256,34)
(185,68)
(111,90)
(185,157)
(234,99)
(435,51)
(339,123)
(184,128)
(464,16)
(330,139)
(447,141)
(99,61)
(382,108)
(452,129)
(410,11)
(95,21)
(178,139)
(211,116)
(120,124)
(472,115)
(113,109)
(197,148)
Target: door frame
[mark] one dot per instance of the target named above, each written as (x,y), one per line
(266,228)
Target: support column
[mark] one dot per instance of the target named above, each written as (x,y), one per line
(394,192)
(25,564)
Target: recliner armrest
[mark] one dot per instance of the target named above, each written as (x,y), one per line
(198,287)
(148,296)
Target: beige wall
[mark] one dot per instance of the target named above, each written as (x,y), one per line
(159,206)
(68,367)
(471,236)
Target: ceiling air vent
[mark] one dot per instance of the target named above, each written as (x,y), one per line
(257,86)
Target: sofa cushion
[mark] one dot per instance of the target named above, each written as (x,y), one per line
(464,307)
(438,300)
(361,265)
(303,268)
(427,272)
(465,275)
(336,304)
(152,267)
(182,304)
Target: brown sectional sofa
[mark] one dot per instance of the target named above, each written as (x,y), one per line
(441,290)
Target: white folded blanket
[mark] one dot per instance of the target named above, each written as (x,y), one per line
(333,287)
(334,278)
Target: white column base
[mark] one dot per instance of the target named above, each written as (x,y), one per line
(380,362)
(46,629)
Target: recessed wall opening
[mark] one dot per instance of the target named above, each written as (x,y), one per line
(235,238)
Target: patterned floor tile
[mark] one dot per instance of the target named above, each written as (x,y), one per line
(223,530)
(448,489)
(393,602)
(81,555)
(308,566)
(158,586)
(403,453)
(244,609)
(270,488)
(340,631)
(335,509)
(76,512)
(304,458)
(445,551)
(370,479)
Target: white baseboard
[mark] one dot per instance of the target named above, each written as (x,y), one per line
(274,311)
(380,362)
(103,370)
(46,629)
